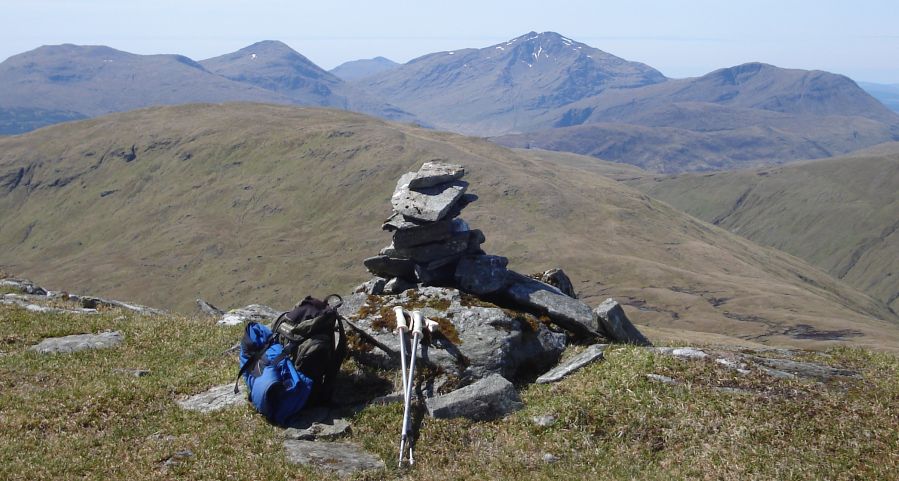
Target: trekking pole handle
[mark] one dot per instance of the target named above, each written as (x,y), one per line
(431,326)
(416,322)
(401,324)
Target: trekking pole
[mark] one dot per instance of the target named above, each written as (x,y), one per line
(416,337)
(402,327)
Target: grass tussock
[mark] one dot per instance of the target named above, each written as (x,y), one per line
(77,417)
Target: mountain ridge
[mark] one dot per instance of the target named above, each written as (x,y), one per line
(205,201)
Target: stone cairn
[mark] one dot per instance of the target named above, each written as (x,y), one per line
(431,245)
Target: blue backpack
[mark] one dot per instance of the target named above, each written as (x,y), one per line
(296,362)
(274,385)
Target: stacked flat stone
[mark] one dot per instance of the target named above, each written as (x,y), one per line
(429,239)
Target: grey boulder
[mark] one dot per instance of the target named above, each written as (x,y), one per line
(557,278)
(489,398)
(614,322)
(387,267)
(78,342)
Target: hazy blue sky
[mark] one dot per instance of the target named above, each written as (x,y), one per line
(681,38)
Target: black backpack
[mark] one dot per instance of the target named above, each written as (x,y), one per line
(308,336)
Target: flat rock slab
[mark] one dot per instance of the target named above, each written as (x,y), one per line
(614,322)
(435,173)
(682,352)
(427,204)
(327,429)
(251,313)
(343,459)
(215,399)
(489,398)
(79,342)
(590,355)
(568,313)
(803,369)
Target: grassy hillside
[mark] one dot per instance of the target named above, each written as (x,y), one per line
(841,215)
(77,417)
(256,203)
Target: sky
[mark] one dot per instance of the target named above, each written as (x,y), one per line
(681,38)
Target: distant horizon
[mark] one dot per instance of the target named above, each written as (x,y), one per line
(686,39)
(329,68)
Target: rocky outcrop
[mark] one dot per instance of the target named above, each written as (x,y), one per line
(475,339)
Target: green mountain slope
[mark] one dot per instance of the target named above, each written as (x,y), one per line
(841,214)
(248,203)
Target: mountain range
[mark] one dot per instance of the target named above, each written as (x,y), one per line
(60,82)
(539,90)
(887,94)
(241,203)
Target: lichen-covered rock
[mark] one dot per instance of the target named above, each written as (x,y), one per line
(374,286)
(425,233)
(78,342)
(454,245)
(614,322)
(489,398)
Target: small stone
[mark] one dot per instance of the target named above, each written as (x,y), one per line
(481,274)
(590,355)
(660,378)
(489,398)
(132,372)
(437,272)
(435,173)
(544,421)
(614,322)
(550,458)
(557,278)
(739,367)
(398,221)
(79,342)
(178,457)
(215,399)
(342,458)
